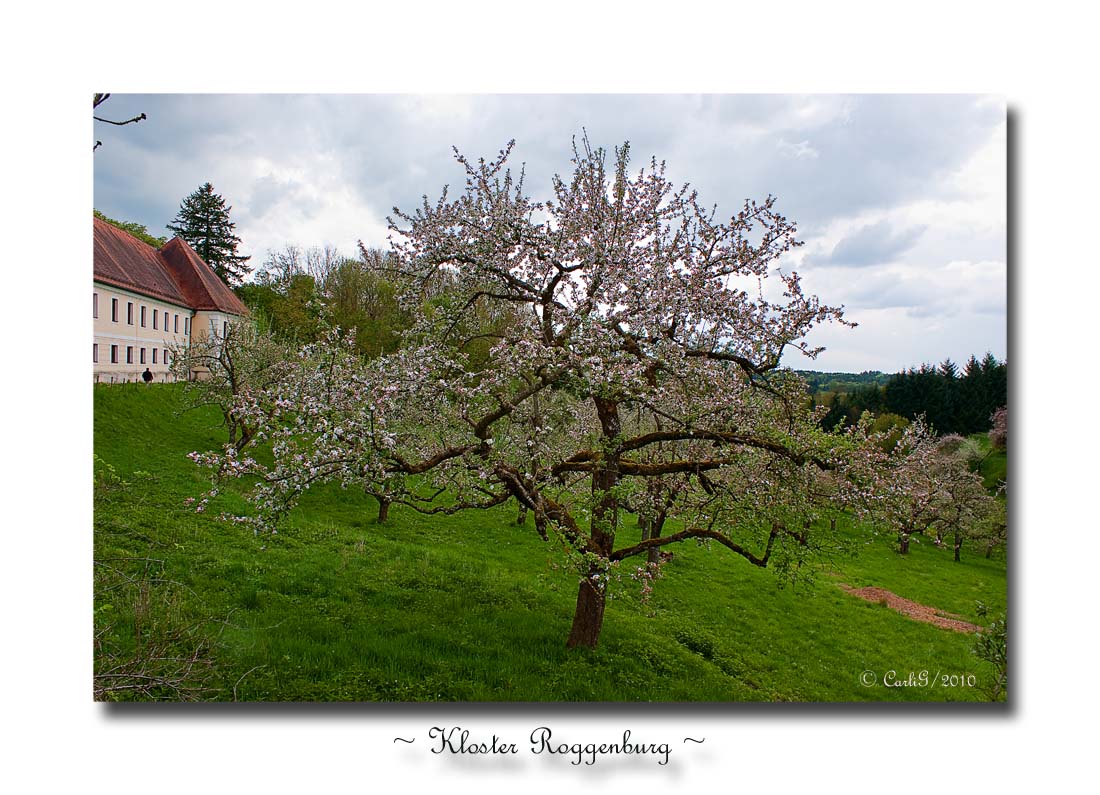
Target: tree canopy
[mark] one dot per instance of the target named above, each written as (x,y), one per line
(203,221)
(612,349)
(302,291)
(137,230)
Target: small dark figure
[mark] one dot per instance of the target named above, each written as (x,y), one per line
(147,376)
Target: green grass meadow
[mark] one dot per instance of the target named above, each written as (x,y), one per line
(469,608)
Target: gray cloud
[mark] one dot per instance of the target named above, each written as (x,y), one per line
(268,191)
(329,168)
(873,151)
(874,244)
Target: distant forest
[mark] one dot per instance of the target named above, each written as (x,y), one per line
(951,400)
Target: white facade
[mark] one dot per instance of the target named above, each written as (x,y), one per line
(149,303)
(133,332)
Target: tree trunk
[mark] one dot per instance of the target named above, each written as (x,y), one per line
(958,545)
(655,528)
(588,617)
(521,518)
(903,543)
(383,509)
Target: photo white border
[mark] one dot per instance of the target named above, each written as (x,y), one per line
(1037,61)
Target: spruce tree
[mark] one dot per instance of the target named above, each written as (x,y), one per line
(203,221)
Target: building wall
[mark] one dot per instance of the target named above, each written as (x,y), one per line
(208,323)
(130,336)
(211,322)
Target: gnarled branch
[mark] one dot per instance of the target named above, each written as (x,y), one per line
(700,532)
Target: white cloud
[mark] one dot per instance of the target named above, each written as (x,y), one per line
(797,150)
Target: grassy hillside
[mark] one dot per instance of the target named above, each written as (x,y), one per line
(468,608)
(994,463)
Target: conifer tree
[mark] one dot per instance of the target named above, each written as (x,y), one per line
(203,221)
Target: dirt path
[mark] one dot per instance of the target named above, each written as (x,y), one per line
(914,610)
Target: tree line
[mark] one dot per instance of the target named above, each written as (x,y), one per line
(952,401)
(300,293)
(841,382)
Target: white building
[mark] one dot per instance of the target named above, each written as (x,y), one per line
(145,300)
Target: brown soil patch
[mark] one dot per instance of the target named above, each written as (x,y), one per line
(914,610)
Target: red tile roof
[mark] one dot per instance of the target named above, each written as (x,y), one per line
(124,261)
(175,273)
(201,286)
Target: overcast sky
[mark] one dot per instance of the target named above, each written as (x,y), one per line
(901,200)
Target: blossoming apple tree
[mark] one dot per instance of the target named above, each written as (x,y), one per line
(928,483)
(218,368)
(612,349)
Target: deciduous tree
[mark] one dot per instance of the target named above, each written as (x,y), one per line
(630,347)
(998,434)
(962,506)
(230,369)
(137,230)
(929,483)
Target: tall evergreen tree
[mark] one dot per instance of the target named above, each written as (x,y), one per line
(973,398)
(996,374)
(203,221)
(948,394)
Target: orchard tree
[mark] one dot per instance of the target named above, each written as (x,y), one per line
(929,483)
(224,369)
(962,505)
(998,434)
(905,494)
(615,347)
(203,221)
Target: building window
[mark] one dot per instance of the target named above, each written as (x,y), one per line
(154,355)
(95,353)
(225,329)
(166,362)
(141,355)
(130,312)
(155,318)
(187,325)
(176,324)
(114,310)
(95,304)
(129,354)
(114,354)
(143,315)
